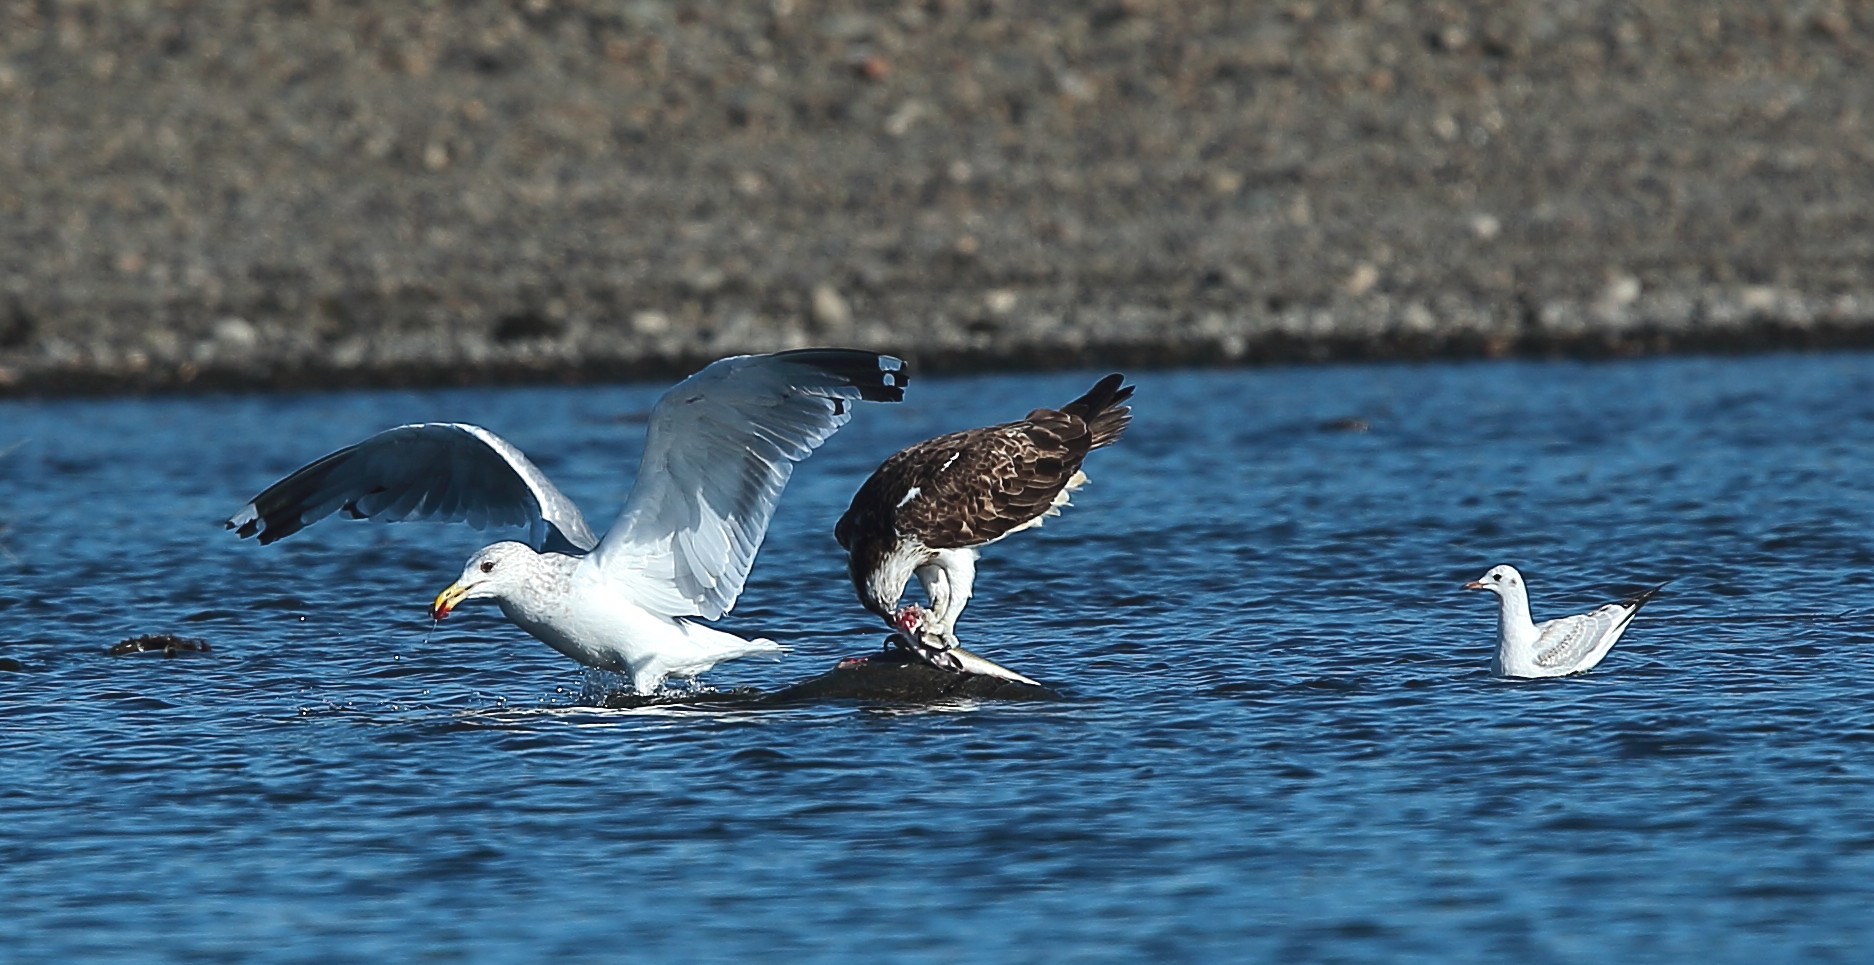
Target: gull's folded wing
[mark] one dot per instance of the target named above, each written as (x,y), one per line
(720,448)
(1566,640)
(435,471)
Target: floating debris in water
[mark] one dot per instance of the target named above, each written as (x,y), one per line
(168,643)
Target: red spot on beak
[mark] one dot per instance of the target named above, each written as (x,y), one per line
(445,601)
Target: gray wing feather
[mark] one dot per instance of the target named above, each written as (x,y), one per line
(720,448)
(451,472)
(1567,640)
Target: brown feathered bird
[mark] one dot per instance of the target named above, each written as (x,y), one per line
(927,509)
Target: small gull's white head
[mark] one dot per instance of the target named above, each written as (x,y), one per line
(1502,580)
(495,572)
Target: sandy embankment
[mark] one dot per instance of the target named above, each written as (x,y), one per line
(316,193)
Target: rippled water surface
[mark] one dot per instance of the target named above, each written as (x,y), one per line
(1281,742)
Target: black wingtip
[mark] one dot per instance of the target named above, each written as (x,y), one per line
(269,530)
(879,378)
(243,524)
(892,375)
(1640,599)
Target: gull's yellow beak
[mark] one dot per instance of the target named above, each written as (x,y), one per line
(447,600)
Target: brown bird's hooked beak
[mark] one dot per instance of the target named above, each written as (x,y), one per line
(447,600)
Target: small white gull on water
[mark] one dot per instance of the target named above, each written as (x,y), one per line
(719,449)
(1553,648)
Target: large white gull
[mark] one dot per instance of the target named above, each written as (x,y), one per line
(719,449)
(1553,648)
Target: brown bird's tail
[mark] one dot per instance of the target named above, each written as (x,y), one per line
(1102,409)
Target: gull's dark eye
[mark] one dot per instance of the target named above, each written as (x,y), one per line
(488,566)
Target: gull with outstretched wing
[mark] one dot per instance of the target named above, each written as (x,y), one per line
(719,450)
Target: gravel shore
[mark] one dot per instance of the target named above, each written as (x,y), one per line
(216,194)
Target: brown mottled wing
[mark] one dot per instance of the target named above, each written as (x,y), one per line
(974,487)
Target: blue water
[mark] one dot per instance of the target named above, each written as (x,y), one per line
(1281,742)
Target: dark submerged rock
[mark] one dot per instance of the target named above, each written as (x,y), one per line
(897,677)
(891,677)
(167,643)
